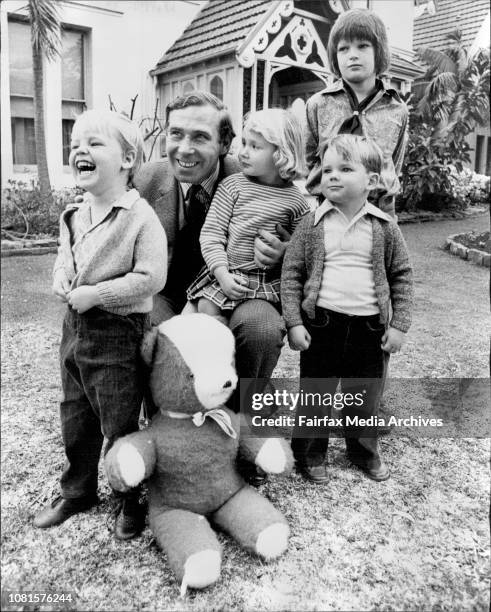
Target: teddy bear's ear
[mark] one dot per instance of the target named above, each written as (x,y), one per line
(148,345)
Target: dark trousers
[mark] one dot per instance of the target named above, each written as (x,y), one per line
(344,349)
(103,379)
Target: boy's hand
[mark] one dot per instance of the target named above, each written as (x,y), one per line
(231,284)
(268,249)
(392,340)
(83,298)
(299,338)
(61,285)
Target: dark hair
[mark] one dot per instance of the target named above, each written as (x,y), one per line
(360,24)
(202,98)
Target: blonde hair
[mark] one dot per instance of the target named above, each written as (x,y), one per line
(123,128)
(358,149)
(283,130)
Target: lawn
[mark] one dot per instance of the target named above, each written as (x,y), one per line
(419,541)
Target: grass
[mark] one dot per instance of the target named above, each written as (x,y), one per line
(419,541)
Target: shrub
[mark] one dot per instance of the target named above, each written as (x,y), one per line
(470,186)
(24,210)
(427,172)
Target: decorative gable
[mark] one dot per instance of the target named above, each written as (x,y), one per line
(293,41)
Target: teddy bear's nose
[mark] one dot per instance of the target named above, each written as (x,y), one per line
(227,384)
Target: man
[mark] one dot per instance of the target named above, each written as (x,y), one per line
(199,133)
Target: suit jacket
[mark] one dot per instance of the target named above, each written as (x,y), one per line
(157,184)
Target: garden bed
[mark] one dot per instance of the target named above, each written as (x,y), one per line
(474,246)
(32,245)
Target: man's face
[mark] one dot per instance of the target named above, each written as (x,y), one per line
(193,144)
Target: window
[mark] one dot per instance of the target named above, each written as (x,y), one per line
(188,87)
(216,87)
(72,83)
(479,153)
(488,157)
(23,141)
(21,93)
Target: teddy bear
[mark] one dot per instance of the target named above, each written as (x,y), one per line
(188,454)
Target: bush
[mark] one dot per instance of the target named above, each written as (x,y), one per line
(24,210)
(469,186)
(429,170)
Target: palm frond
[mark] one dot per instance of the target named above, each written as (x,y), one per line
(438,96)
(455,36)
(45,27)
(438,61)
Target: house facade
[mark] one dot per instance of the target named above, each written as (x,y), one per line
(257,54)
(108,48)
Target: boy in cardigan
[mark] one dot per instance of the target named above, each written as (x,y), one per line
(112,259)
(345,269)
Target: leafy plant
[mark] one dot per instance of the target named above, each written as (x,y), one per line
(26,212)
(428,171)
(471,186)
(445,107)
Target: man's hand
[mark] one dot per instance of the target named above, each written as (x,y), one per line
(83,298)
(299,338)
(392,340)
(61,285)
(231,284)
(268,249)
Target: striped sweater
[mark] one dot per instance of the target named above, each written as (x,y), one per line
(240,208)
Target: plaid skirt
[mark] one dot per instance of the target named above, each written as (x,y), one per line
(261,287)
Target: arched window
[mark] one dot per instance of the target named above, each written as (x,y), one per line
(216,87)
(188,87)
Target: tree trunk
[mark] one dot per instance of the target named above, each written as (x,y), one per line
(41,157)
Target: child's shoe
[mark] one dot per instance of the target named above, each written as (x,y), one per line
(130,518)
(60,509)
(315,473)
(378,474)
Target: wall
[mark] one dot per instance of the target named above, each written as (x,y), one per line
(398,16)
(125,41)
(200,78)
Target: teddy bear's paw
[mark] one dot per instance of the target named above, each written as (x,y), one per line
(131,464)
(201,569)
(273,541)
(271,458)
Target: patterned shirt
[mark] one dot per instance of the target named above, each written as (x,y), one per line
(384,120)
(241,207)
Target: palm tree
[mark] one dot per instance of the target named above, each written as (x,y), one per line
(454,93)
(45,43)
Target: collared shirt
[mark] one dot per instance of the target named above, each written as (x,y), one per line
(348,284)
(88,236)
(208,185)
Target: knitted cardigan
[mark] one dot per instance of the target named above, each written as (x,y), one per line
(304,262)
(129,267)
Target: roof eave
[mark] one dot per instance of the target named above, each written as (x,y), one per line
(190,61)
